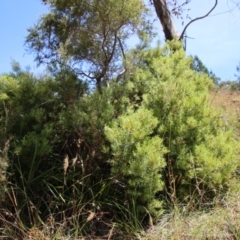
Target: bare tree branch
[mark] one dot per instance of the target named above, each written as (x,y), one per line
(121,46)
(198,18)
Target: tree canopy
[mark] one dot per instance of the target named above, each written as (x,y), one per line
(87,36)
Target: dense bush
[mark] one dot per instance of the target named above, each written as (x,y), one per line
(56,164)
(75,154)
(201,149)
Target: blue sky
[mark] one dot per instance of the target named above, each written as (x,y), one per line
(216,39)
(16,16)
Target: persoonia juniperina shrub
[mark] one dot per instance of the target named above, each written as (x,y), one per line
(201,152)
(137,159)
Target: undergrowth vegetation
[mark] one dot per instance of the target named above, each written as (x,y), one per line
(75,162)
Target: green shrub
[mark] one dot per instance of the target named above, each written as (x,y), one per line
(56,165)
(137,158)
(202,153)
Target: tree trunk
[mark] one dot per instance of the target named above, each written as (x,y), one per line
(165,18)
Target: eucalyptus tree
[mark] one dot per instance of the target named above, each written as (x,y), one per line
(87,36)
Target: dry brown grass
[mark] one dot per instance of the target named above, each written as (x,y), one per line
(228,101)
(222,223)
